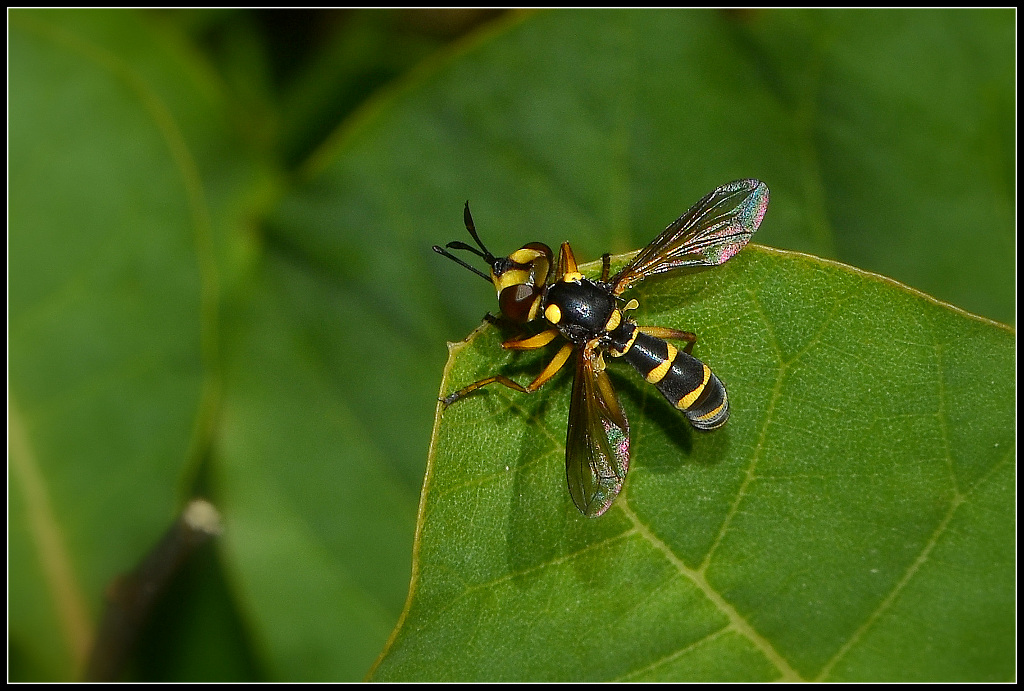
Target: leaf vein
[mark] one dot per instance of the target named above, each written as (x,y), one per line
(956,502)
(737,621)
(675,654)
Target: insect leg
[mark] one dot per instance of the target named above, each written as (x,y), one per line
(531,343)
(606,266)
(675,334)
(552,368)
(496,379)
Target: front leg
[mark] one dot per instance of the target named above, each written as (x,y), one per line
(543,378)
(531,342)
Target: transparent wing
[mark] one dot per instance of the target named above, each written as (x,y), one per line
(708,234)
(597,441)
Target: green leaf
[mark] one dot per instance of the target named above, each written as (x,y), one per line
(854,520)
(111,301)
(147,337)
(320,525)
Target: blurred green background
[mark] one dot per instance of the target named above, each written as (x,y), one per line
(221,281)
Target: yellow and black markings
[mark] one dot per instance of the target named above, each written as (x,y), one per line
(589,316)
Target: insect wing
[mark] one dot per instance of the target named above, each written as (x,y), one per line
(597,441)
(708,234)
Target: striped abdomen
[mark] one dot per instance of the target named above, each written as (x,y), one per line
(686,382)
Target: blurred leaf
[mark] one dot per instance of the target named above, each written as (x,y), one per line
(905,127)
(320,530)
(853,521)
(124,178)
(366,50)
(195,631)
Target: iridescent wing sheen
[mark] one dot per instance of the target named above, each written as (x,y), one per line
(597,441)
(708,234)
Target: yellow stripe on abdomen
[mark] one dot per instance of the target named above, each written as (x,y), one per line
(711,415)
(689,399)
(659,372)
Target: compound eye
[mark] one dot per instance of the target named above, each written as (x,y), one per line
(517,301)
